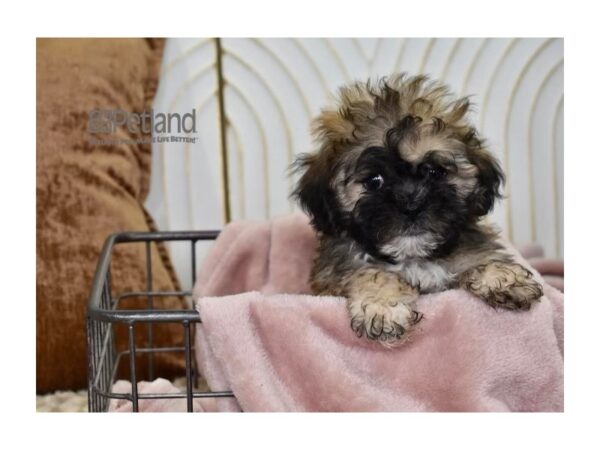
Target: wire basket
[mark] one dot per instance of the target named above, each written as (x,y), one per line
(105,312)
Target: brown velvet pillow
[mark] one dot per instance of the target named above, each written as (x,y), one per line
(86,192)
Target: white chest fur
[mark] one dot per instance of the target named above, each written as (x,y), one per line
(427,276)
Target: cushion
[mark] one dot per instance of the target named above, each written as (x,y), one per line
(86,192)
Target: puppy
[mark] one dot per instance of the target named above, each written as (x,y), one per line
(396,191)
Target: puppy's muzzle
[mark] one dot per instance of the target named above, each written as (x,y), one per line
(411,198)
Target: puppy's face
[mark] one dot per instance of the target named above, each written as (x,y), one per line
(399,169)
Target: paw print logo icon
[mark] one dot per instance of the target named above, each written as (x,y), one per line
(100,121)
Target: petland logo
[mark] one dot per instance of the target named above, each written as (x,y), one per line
(160,126)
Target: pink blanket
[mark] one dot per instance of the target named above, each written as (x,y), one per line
(279,349)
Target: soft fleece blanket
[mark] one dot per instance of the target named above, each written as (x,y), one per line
(280,349)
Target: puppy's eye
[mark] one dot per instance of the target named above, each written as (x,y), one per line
(430,171)
(373,182)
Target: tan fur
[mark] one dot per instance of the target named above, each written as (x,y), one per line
(361,122)
(507,285)
(379,304)
(419,96)
(378,301)
(421,121)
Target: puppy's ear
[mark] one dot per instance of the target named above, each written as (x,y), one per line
(489,181)
(314,193)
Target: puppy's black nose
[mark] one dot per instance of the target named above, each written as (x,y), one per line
(410,198)
(412,210)
(411,202)
(413,205)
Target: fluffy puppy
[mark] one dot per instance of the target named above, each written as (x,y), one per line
(396,191)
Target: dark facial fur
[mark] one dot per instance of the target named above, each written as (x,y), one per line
(396,190)
(399,170)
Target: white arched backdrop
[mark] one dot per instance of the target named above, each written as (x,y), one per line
(273,87)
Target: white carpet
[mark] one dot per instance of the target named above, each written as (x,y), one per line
(62,401)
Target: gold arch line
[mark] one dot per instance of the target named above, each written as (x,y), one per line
(469,73)
(487,92)
(240,158)
(295,82)
(426,54)
(188,161)
(278,106)
(183,55)
(375,53)
(338,60)
(471,66)
(524,69)
(399,56)
(361,50)
(186,84)
(492,80)
(559,238)
(164,70)
(263,141)
(450,57)
(201,107)
(532,110)
(483,108)
(314,65)
(170,108)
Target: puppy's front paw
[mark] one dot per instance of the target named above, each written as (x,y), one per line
(378,302)
(382,321)
(505,285)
